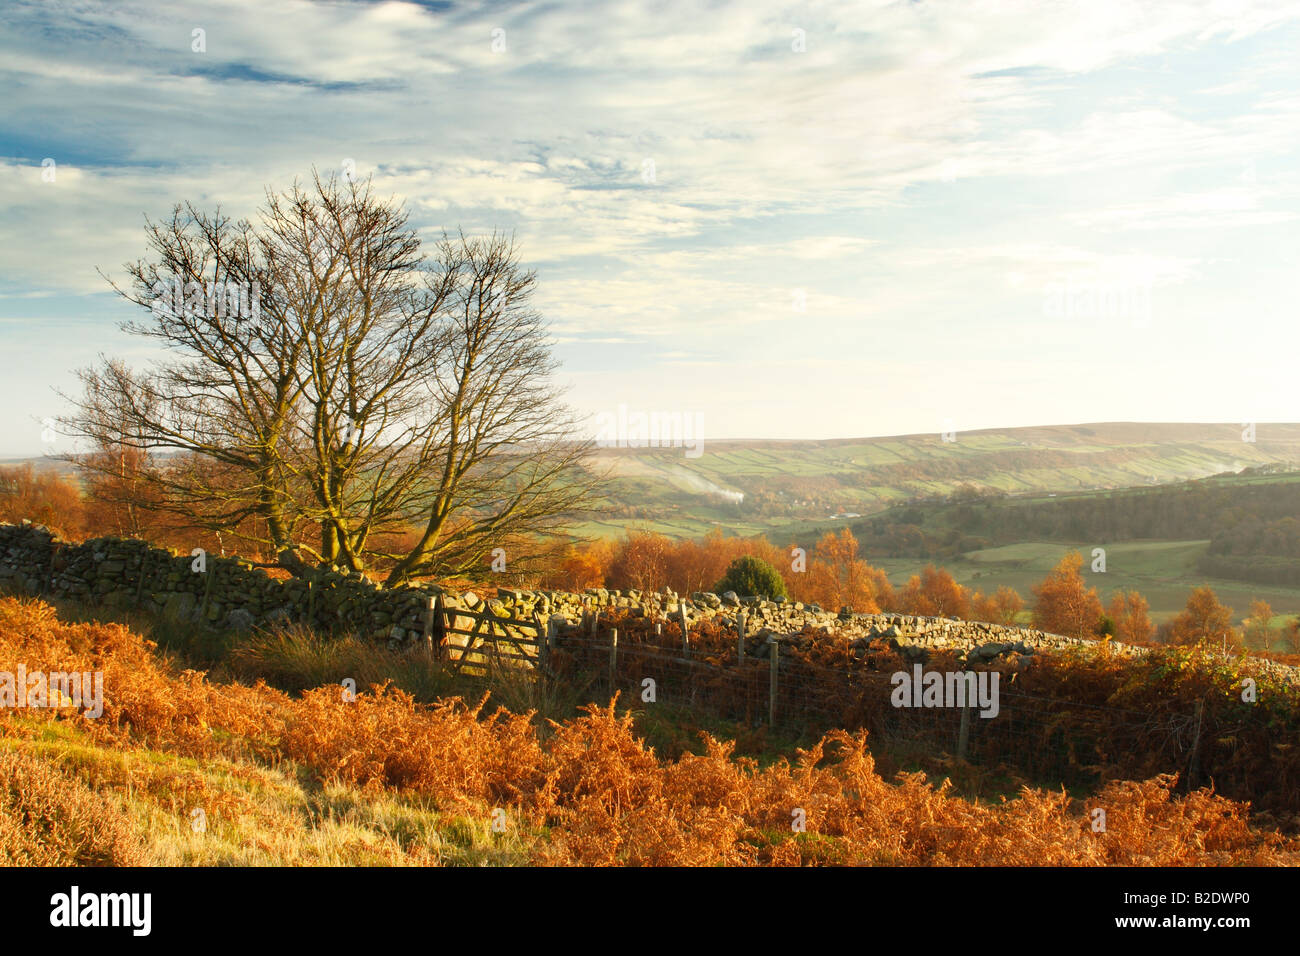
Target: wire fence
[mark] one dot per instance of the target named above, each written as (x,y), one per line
(1042,737)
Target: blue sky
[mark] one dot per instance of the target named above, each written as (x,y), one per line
(863,219)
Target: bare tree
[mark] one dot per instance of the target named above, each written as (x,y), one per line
(397,411)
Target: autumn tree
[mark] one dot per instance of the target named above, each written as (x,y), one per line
(934,593)
(116,487)
(1064,604)
(580,570)
(1292,635)
(1258,630)
(641,562)
(1203,620)
(696,565)
(358,391)
(43,497)
(1001,607)
(579,565)
(864,588)
(836,577)
(1128,612)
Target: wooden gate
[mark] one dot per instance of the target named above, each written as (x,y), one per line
(487,637)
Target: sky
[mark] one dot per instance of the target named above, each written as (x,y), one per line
(801,221)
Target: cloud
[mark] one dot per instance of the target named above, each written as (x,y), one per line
(678,172)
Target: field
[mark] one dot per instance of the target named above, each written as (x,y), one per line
(1160,541)
(1164,571)
(789,486)
(795,491)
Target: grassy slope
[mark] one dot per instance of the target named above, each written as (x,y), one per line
(123,791)
(866,475)
(1164,571)
(258,815)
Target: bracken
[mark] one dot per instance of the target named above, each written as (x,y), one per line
(588,790)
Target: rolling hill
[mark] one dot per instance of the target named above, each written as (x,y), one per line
(786,487)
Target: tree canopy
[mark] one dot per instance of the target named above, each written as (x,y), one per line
(332,395)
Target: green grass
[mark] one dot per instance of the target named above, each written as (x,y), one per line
(662,485)
(262,815)
(1164,571)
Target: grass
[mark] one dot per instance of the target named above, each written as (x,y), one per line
(252,815)
(865,475)
(1164,571)
(382,780)
(294,658)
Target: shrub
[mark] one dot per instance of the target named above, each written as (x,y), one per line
(48,818)
(590,791)
(748,575)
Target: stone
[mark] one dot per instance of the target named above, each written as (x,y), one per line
(118,599)
(280,614)
(239,620)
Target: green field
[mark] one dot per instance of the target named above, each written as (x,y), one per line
(1164,571)
(795,491)
(800,484)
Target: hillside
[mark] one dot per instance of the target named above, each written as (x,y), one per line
(180,769)
(1236,532)
(748,487)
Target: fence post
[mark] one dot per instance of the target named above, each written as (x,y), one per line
(144,570)
(429,613)
(774,657)
(963,730)
(740,638)
(543,632)
(1194,764)
(686,632)
(595,620)
(613,658)
(55,547)
(210,573)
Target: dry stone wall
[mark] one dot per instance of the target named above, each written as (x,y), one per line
(216,592)
(232,593)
